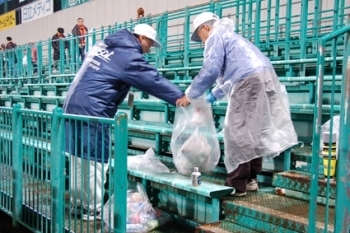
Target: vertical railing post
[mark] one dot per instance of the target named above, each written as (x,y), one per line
(257,23)
(40,61)
(17,157)
(73,54)
(250,22)
(316,23)
(50,55)
(62,49)
(29,69)
(93,37)
(288,28)
(316,136)
(120,172)
(57,170)
(336,15)
(342,205)
(162,34)
(186,38)
(303,33)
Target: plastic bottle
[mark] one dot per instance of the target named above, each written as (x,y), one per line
(196,177)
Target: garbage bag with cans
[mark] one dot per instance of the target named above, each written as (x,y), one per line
(194,141)
(141,216)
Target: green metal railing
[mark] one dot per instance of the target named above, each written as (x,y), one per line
(6,160)
(36,179)
(342,207)
(282,30)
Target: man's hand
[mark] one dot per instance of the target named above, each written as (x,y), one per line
(183,101)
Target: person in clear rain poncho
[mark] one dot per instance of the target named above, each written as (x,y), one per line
(257,122)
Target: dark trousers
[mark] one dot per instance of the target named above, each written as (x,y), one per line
(245,171)
(35,67)
(82,52)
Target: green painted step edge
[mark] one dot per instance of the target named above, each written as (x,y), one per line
(262,225)
(302,154)
(223,226)
(300,181)
(303,196)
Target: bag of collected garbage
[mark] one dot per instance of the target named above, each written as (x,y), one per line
(194,141)
(326,127)
(141,216)
(147,162)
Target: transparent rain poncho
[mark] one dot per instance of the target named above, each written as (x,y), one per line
(257,122)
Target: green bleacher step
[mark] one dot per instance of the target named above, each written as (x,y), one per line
(217,176)
(301,182)
(301,159)
(268,212)
(223,226)
(302,154)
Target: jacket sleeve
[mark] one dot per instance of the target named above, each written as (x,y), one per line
(218,92)
(54,43)
(214,56)
(75,31)
(141,75)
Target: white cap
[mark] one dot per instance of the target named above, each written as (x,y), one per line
(147,31)
(199,20)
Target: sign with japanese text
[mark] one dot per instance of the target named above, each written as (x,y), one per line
(70,3)
(7,20)
(36,10)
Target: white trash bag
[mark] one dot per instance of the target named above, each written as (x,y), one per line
(326,127)
(194,141)
(146,162)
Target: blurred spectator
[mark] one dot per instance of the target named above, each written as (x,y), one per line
(10,44)
(140,13)
(11,56)
(56,46)
(34,56)
(3,58)
(79,30)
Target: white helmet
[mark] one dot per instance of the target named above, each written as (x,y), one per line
(147,31)
(199,20)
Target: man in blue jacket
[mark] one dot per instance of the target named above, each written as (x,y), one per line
(110,68)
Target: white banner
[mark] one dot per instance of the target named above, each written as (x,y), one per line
(37,10)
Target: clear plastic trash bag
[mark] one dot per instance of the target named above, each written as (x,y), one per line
(141,216)
(194,141)
(147,162)
(326,127)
